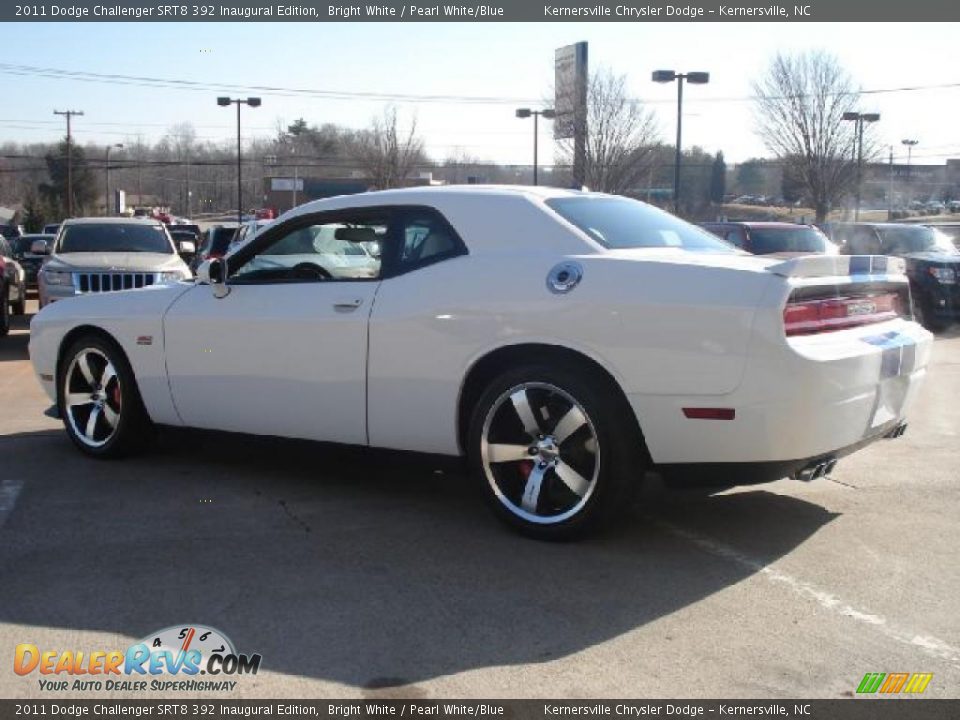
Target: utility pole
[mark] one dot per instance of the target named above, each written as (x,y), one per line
(106,179)
(890,188)
(69,115)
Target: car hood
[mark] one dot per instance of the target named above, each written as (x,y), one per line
(117,261)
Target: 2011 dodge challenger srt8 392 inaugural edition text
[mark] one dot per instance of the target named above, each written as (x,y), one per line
(564,342)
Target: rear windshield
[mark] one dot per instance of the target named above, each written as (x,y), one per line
(114,237)
(619,223)
(764,241)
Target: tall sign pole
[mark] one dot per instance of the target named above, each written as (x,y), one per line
(570,103)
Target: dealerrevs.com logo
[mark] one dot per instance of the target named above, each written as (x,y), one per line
(168,660)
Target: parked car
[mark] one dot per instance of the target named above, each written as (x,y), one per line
(98,255)
(247,230)
(23,250)
(932,264)
(186,241)
(214,243)
(773,238)
(951,230)
(565,342)
(10,230)
(51,229)
(186,227)
(13,286)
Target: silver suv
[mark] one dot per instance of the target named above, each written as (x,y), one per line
(111,254)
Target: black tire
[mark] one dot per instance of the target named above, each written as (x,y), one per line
(20,306)
(133,426)
(4,310)
(617,466)
(923,314)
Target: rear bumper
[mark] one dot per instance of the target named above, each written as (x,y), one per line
(734,474)
(800,399)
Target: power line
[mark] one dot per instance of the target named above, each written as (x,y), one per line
(148,81)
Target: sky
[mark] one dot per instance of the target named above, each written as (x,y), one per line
(509,63)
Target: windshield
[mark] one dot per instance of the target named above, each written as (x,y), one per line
(618,223)
(903,240)
(767,240)
(114,237)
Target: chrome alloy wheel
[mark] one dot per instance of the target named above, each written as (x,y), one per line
(540,453)
(92,398)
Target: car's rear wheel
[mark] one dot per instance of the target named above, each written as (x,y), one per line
(924,314)
(99,401)
(553,451)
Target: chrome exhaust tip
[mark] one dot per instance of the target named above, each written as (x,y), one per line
(815,469)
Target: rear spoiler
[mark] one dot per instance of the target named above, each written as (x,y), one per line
(812,266)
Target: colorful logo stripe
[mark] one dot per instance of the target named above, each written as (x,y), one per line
(892,683)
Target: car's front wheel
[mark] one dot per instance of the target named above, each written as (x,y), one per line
(98,399)
(554,451)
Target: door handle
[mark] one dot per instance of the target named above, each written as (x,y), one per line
(351,304)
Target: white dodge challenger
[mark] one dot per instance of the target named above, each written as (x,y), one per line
(564,342)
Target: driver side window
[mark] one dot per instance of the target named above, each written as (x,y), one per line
(342,250)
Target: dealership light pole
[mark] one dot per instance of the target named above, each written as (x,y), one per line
(549,114)
(226,102)
(106,178)
(859,118)
(695,78)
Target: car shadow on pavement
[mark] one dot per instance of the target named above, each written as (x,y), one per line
(14,345)
(376,570)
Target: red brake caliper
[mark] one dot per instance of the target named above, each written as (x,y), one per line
(526,467)
(115,395)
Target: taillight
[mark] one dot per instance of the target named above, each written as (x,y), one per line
(808,316)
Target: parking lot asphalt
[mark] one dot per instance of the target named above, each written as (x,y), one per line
(376,575)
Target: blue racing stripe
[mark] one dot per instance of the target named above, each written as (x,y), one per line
(899,356)
(859,265)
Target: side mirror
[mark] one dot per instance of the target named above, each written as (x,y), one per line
(39,247)
(214,272)
(185,247)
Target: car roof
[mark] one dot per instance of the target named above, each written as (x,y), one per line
(757,224)
(111,221)
(428,195)
(881,225)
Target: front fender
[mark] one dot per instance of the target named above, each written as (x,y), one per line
(133,319)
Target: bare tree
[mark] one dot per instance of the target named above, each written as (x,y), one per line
(621,136)
(388,152)
(800,103)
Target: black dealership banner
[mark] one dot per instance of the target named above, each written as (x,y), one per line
(484,11)
(850,709)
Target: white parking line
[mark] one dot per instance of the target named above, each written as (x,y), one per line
(9,491)
(926,643)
